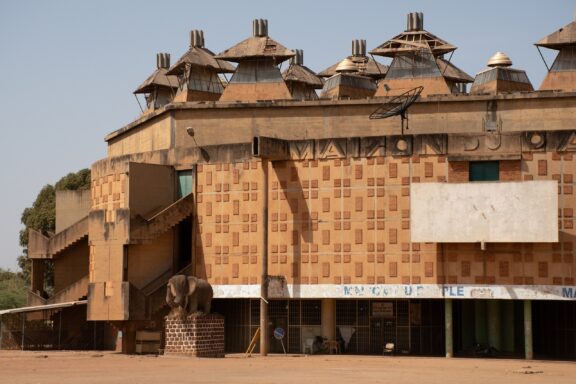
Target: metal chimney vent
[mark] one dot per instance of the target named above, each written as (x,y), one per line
(299,58)
(415,21)
(163,60)
(260,27)
(358,47)
(197,38)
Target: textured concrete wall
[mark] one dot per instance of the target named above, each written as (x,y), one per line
(71,265)
(71,206)
(514,212)
(108,233)
(147,261)
(152,188)
(153,135)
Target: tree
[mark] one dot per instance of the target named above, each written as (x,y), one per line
(42,217)
(12,290)
(74,181)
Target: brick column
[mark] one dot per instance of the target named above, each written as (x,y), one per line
(195,335)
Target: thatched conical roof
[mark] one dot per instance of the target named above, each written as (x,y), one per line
(201,57)
(157,79)
(302,74)
(366,67)
(257,47)
(452,72)
(564,36)
(411,41)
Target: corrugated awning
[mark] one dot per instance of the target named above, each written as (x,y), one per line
(43,307)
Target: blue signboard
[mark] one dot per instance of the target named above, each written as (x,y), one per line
(279,333)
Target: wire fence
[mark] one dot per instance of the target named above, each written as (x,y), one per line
(53,329)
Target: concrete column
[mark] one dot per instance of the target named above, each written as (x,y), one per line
(448,331)
(329,319)
(494,324)
(264,339)
(528,350)
(129,338)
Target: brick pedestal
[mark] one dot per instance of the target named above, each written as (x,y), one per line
(195,335)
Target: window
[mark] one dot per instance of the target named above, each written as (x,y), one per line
(184,183)
(484,171)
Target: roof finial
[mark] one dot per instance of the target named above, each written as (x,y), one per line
(499,59)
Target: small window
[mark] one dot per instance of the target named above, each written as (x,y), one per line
(484,171)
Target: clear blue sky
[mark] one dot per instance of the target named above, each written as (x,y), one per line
(68,68)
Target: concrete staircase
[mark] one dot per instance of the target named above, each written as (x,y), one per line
(43,247)
(146,229)
(73,292)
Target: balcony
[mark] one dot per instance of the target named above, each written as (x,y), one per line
(485,212)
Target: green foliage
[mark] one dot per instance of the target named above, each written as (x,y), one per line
(12,290)
(42,216)
(74,181)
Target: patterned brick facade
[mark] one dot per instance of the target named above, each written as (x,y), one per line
(347,221)
(520,264)
(229,227)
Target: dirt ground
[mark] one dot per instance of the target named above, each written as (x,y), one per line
(96,367)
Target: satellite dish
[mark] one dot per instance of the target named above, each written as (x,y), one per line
(398,106)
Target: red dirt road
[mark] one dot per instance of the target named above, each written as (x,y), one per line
(96,367)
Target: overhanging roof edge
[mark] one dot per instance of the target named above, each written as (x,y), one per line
(43,307)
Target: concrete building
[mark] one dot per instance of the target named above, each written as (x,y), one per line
(456,238)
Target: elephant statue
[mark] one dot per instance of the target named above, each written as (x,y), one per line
(188,294)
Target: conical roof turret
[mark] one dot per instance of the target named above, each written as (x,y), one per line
(257,76)
(418,60)
(159,88)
